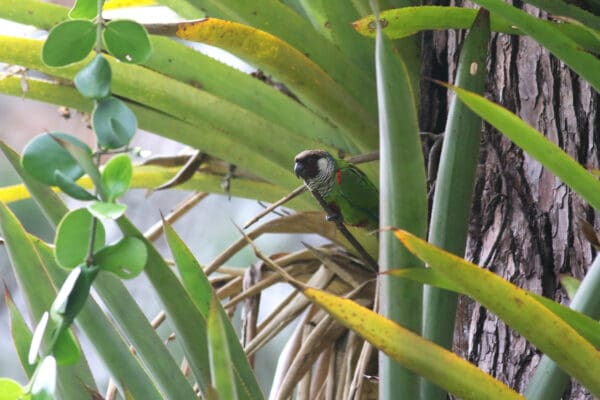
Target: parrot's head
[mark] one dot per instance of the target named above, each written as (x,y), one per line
(317,168)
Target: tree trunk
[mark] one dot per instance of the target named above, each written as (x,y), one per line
(524,223)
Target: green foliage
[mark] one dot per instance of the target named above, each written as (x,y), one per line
(93,81)
(73,238)
(87,9)
(116,176)
(183,95)
(127,40)
(44,158)
(126,258)
(114,123)
(69,42)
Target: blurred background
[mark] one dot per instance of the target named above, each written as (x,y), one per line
(209,228)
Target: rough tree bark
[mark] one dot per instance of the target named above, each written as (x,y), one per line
(524,221)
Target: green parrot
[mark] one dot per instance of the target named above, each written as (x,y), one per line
(348,192)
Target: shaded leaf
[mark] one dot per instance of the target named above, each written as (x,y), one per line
(69,187)
(93,81)
(84,159)
(21,335)
(114,123)
(43,155)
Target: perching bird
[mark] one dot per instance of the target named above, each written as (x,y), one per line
(347,191)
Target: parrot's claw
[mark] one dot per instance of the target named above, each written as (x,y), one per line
(336,217)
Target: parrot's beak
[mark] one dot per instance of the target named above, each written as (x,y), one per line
(299,169)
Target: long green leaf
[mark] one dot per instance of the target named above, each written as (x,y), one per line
(279,20)
(189,324)
(586,326)
(437,364)
(333,20)
(454,186)
(111,346)
(222,365)
(98,328)
(564,8)
(184,102)
(20,332)
(403,202)
(212,141)
(402,22)
(187,65)
(549,381)
(201,292)
(520,311)
(585,64)
(39,294)
(536,145)
(313,86)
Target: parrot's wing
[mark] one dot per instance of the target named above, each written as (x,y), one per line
(358,191)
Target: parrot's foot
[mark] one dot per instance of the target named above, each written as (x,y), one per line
(334,217)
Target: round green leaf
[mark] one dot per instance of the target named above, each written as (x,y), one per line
(87,9)
(125,258)
(93,81)
(116,176)
(10,390)
(114,123)
(69,42)
(127,40)
(73,238)
(100,209)
(43,155)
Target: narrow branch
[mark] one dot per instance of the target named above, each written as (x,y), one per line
(283,200)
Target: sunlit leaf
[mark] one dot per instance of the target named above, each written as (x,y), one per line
(69,42)
(116,176)
(221,364)
(87,9)
(103,210)
(127,40)
(73,237)
(21,335)
(11,390)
